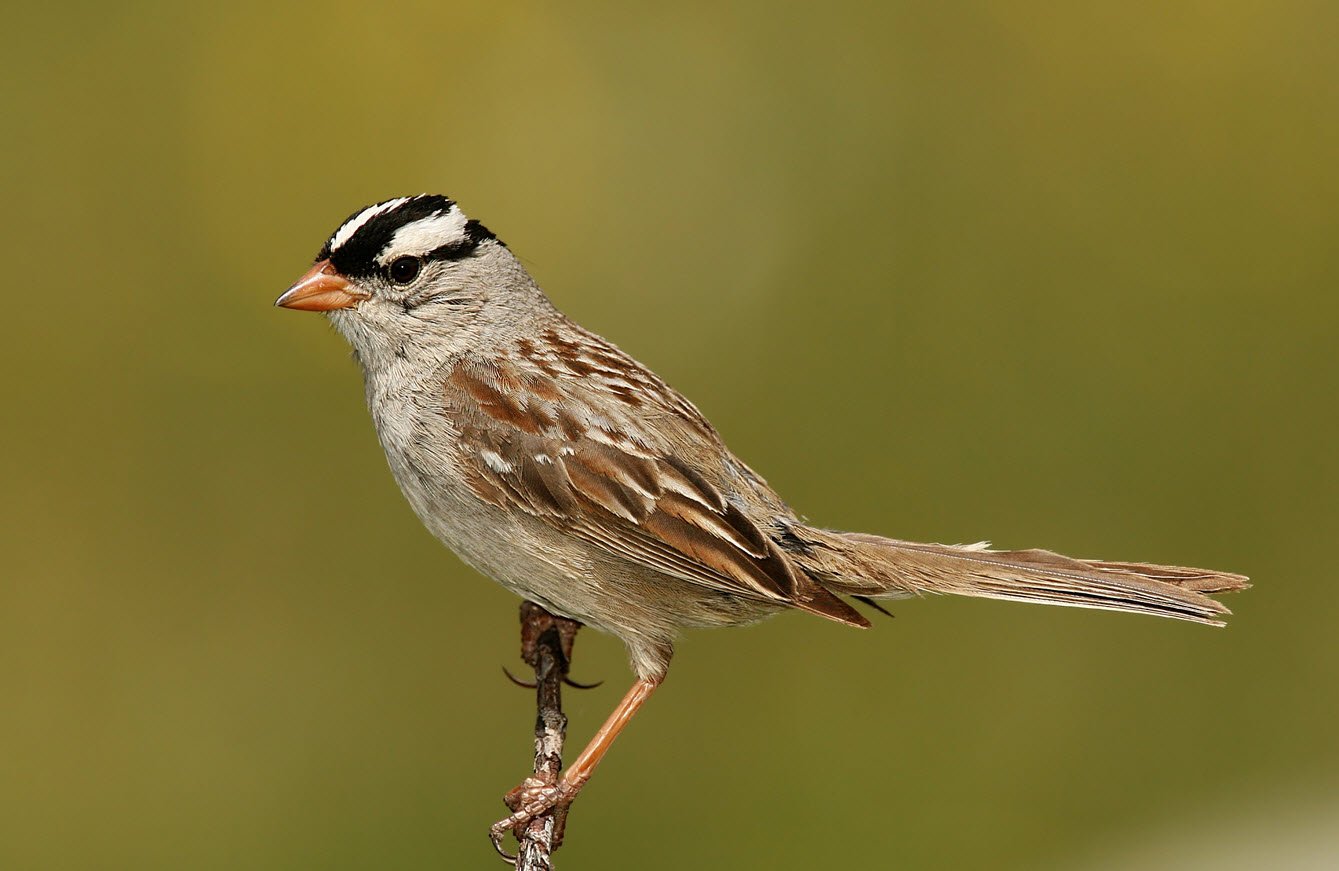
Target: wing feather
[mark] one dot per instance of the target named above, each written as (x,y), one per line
(576,459)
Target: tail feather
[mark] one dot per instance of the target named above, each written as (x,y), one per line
(858,564)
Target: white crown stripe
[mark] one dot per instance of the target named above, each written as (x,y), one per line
(426,234)
(351,226)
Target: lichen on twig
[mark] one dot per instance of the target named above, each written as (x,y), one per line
(546,646)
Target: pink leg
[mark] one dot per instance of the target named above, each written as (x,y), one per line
(533,798)
(576,776)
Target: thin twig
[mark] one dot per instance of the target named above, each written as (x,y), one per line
(546,646)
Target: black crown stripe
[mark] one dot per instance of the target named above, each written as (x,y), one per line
(356,257)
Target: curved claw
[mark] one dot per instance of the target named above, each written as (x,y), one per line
(523,684)
(516,680)
(495,837)
(530,799)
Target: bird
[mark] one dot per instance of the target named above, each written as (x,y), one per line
(554,463)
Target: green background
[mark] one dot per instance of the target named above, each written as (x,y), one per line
(1058,275)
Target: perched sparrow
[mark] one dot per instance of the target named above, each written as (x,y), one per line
(556,464)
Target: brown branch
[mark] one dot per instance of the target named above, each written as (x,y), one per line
(546,646)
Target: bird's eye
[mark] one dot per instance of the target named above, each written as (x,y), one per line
(404,269)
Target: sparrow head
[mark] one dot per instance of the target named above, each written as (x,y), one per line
(406,252)
(414,276)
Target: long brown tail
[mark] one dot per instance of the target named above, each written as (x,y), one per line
(858,564)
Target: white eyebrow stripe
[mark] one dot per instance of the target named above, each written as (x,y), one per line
(351,226)
(426,234)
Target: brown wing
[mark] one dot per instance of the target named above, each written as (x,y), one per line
(602,462)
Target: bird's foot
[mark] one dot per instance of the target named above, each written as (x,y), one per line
(533,798)
(527,685)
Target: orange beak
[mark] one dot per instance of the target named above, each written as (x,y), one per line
(322,289)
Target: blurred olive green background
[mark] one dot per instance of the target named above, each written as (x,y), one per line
(1057,275)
